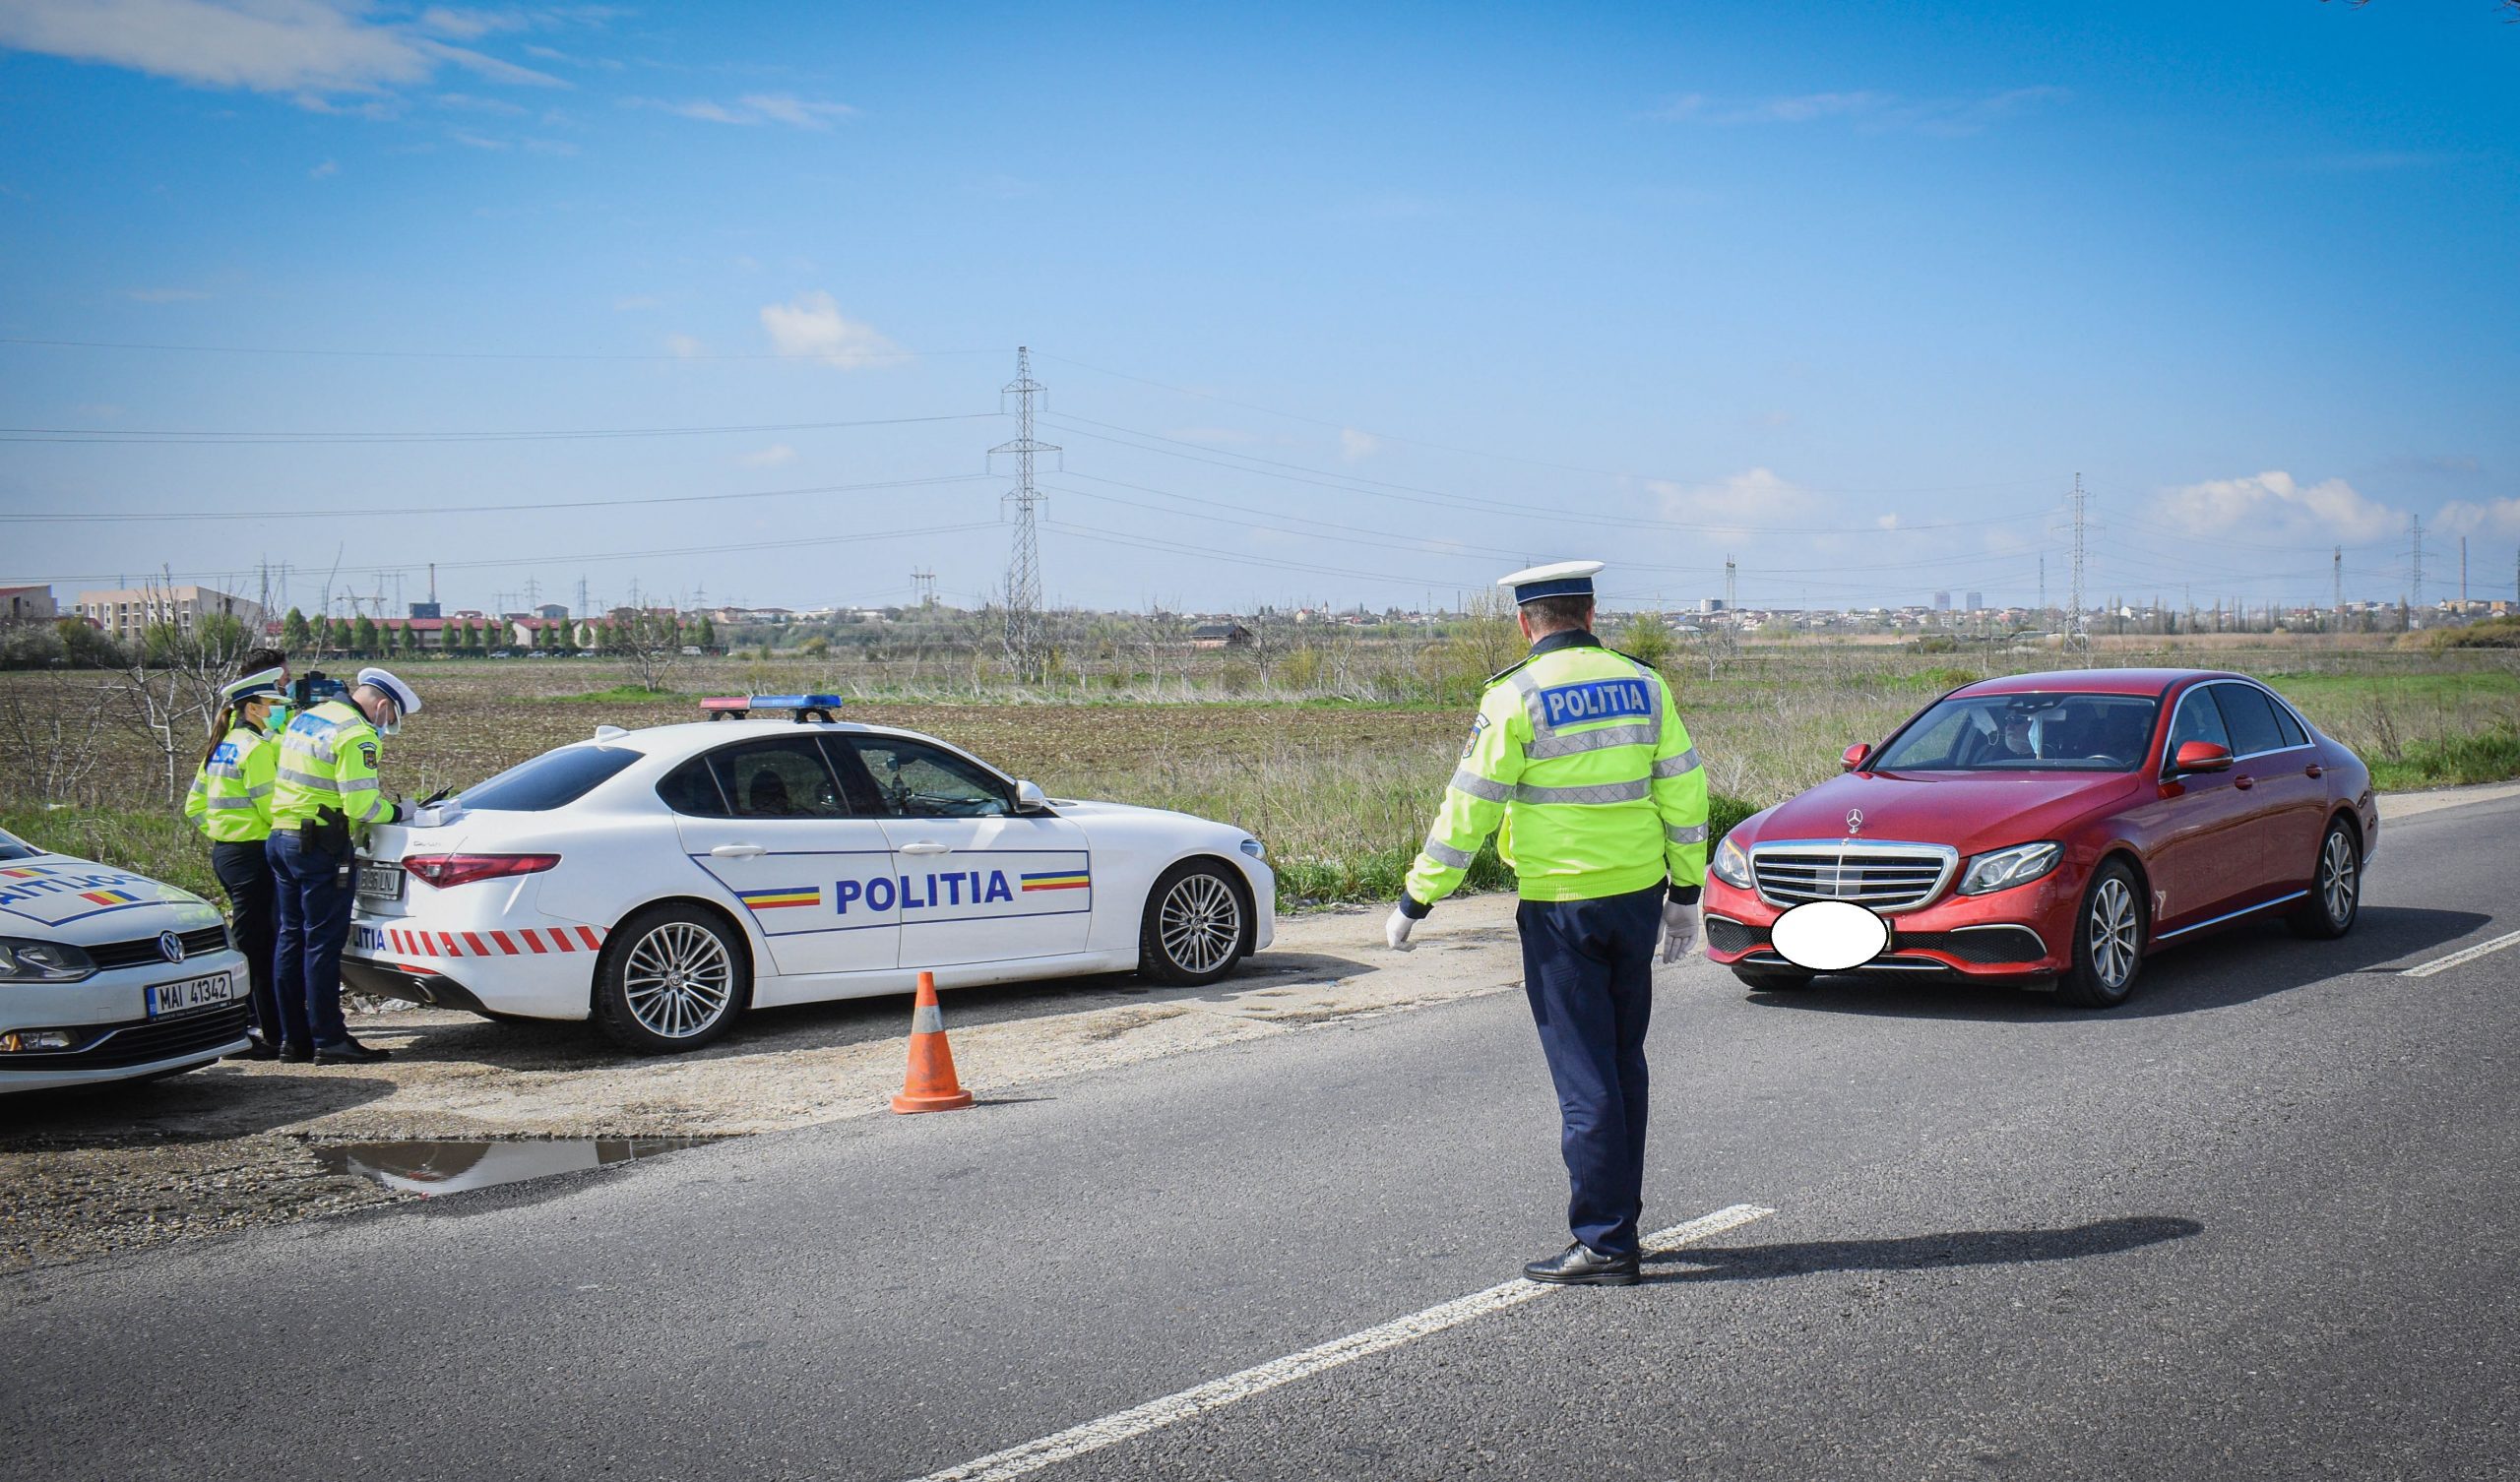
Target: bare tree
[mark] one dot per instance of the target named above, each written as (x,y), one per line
(652,644)
(165,686)
(50,727)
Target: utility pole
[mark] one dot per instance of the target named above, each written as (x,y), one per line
(1732,597)
(923,581)
(2463,576)
(1023,636)
(2336,587)
(2075,636)
(581,594)
(2042,588)
(2415,585)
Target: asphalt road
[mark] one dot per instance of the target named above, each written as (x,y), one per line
(2261,1223)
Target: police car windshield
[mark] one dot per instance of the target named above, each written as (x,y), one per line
(553,779)
(14,847)
(2025,733)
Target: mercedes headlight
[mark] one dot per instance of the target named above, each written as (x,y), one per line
(1730,865)
(2002,869)
(27,962)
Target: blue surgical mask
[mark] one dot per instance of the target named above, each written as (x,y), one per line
(276,720)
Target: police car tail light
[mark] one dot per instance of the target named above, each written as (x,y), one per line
(444,870)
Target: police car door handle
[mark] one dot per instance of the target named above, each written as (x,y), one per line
(926,846)
(736,851)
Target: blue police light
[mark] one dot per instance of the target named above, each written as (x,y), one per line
(738,707)
(795,702)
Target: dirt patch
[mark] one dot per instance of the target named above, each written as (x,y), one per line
(236,1145)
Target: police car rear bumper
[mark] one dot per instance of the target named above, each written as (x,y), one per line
(412,985)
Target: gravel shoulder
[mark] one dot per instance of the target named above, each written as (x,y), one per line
(236,1144)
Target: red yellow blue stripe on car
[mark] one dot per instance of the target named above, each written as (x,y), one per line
(762,900)
(109,898)
(1059,879)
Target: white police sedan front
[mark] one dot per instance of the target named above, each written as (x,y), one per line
(663,880)
(107,975)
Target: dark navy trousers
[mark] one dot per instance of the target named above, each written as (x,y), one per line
(1588,968)
(314,924)
(246,870)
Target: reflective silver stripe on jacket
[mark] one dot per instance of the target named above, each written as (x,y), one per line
(359,784)
(1605,792)
(319,783)
(1467,781)
(1631,733)
(226,769)
(243,802)
(1446,855)
(1678,767)
(1693,834)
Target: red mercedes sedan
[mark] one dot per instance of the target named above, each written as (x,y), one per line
(2058,829)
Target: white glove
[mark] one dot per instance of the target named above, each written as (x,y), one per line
(1679,929)
(1397,928)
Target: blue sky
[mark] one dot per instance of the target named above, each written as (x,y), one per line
(1334,304)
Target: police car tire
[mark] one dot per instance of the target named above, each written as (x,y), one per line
(1157,961)
(1771,980)
(611,1008)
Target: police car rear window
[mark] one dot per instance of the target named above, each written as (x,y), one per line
(553,779)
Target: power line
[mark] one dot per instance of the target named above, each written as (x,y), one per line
(150,438)
(511,506)
(869,357)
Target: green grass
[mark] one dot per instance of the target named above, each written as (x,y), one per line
(157,843)
(2484,757)
(624,694)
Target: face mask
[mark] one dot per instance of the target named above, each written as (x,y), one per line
(276,720)
(393,727)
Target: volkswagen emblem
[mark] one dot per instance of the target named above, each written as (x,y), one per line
(171,946)
(1855,821)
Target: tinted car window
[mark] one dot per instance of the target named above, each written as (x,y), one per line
(783,779)
(2198,721)
(14,847)
(2026,734)
(2291,727)
(692,789)
(916,781)
(553,779)
(2250,719)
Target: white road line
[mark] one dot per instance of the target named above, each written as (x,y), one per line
(2438,964)
(1155,1414)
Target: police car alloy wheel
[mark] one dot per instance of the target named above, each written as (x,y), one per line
(674,978)
(1194,929)
(2109,941)
(2336,888)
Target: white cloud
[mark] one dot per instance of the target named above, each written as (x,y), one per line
(753,108)
(163,295)
(1865,108)
(1355,446)
(811,324)
(769,458)
(327,169)
(472,104)
(685,345)
(2276,505)
(1888,521)
(470,24)
(303,47)
(636,301)
(477,141)
(2498,518)
(1745,501)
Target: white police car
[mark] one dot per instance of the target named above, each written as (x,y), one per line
(663,880)
(107,975)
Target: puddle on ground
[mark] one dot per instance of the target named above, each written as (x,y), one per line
(431,1169)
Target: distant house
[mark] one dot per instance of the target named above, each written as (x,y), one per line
(1220,636)
(27,605)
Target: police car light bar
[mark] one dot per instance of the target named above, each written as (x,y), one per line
(738,707)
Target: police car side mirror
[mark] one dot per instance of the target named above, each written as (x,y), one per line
(1030,799)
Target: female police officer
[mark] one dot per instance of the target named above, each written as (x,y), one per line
(231,802)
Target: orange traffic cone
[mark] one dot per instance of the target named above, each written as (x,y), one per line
(931,1085)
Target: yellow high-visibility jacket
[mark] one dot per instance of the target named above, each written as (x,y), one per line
(1579,754)
(231,795)
(328,760)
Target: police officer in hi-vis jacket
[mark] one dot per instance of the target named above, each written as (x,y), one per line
(1580,756)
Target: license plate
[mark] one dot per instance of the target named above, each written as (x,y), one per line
(194,993)
(380,882)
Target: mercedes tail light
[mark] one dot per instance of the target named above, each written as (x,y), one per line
(444,870)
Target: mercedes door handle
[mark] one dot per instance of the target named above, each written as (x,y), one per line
(2243,783)
(736,851)
(2315,770)
(926,847)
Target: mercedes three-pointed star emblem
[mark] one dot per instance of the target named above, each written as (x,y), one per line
(1855,821)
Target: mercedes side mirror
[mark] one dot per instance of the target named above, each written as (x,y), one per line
(1855,756)
(2200,756)
(1030,799)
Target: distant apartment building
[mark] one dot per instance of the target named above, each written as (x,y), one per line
(128,611)
(1977,601)
(1943,601)
(27,605)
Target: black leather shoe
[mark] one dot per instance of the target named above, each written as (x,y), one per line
(350,1052)
(291,1054)
(258,1050)
(1579,1265)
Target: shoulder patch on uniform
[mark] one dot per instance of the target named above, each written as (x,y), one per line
(1477,728)
(367,754)
(227,752)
